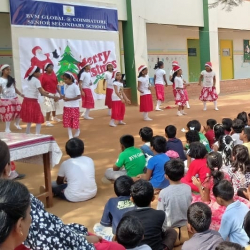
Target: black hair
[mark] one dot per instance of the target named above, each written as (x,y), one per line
(226,145)
(129,232)
(74,147)
(218,131)
(224,189)
(140,74)
(68,76)
(199,216)
(238,125)
(227,124)
(4,156)
(108,65)
(123,185)
(246,224)
(243,116)
(226,245)
(174,169)
(50,64)
(36,71)
(170,131)
(142,193)
(247,132)
(173,77)
(241,159)
(127,141)
(214,162)
(158,65)
(194,124)
(10,80)
(158,143)
(146,134)
(192,136)
(211,123)
(197,150)
(116,76)
(80,73)
(14,203)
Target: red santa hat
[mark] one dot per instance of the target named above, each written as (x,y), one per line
(4,66)
(46,65)
(209,64)
(176,68)
(30,71)
(175,63)
(114,74)
(35,49)
(141,68)
(69,73)
(84,63)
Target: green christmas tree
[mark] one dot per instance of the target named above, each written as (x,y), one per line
(67,63)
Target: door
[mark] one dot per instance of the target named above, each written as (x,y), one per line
(193,60)
(226,59)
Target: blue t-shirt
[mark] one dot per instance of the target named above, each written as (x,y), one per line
(114,210)
(156,164)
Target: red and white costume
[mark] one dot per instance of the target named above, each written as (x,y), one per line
(159,84)
(171,73)
(109,89)
(118,107)
(40,59)
(146,100)
(180,97)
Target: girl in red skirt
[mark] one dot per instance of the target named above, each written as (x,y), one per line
(109,88)
(146,100)
(71,111)
(119,99)
(160,80)
(208,92)
(31,110)
(10,106)
(84,78)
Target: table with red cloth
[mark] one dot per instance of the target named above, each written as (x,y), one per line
(35,149)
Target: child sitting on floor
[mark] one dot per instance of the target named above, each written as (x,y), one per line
(156,233)
(146,135)
(245,137)
(227,125)
(237,128)
(210,132)
(199,219)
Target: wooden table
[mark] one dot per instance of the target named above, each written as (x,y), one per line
(35,149)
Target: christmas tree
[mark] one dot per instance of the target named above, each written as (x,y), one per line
(67,63)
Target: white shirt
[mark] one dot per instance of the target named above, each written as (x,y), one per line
(86,80)
(114,96)
(144,80)
(80,174)
(32,91)
(143,247)
(108,78)
(236,139)
(159,73)
(71,91)
(178,81)
(208,78)
(7,93)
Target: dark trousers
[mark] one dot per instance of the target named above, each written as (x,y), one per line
(168,238)
(58,190)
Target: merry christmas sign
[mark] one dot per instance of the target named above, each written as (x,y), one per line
(68,55)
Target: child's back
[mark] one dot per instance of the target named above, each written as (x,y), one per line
(177,146)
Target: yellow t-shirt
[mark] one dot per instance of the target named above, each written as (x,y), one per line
(247,144)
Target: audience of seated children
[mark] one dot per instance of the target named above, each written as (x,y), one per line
(243,116)
(195,125)
(199,217)
(78,171)
(173,143)
(130,233)
(233,218)
(245,137)
(116,207)
(237,128)
(227,125)
(198,166)
(156,233)
(175,199)
(155,169)
(226,245)
(218,132)
(146,135)
(131,159)
(210,131)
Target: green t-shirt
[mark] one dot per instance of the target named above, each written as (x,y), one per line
(133,161)
(204,141)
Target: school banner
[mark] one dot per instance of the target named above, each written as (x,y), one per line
(68,55)
(59,15)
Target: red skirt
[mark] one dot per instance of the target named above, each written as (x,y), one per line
(108,99)
(118,110)
(186,94)
(174,90)
(31,111)
(71,117)
(159,89)
(9,109)
(180,98)
(146,103)
(208,94)
(88,100)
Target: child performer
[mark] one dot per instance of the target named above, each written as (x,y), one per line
(146,100)
(10,106)
(119,99)
(31,110)
(180,98)
(84,78)
(208,92)
(109,87)
(160,80)
(71,111)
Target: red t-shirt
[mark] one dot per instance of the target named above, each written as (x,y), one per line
(199,167)
(49,82)
(210,137)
